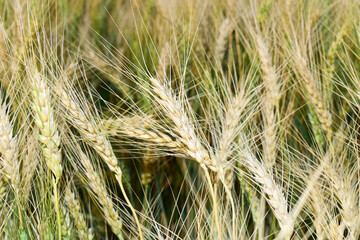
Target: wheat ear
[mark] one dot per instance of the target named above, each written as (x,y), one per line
(229,132)
(2,192)
(134,130)
(333,50)
(186,131)
(275,198)
(99,142)
(149,165)
(347,198)
(164,62)
(8,148)
(263,11)
(45,121)
(48,136)
(113,125)
(184,127)
(314,93)
(271,100)
(131,129)
(79,220)
(98,188)
(66,223)
(225,30)
(66,227)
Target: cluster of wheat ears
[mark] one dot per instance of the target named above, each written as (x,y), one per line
(179,119)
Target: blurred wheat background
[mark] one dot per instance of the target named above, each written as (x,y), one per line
(179,119)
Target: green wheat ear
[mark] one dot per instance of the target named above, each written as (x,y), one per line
(316,128)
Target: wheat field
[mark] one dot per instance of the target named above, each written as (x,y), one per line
(179,119)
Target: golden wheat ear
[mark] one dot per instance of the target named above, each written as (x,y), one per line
(98,141)
(84,233)
(8,148)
